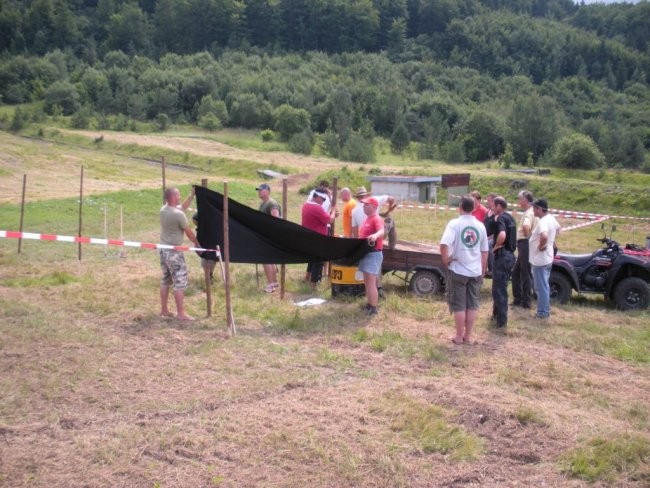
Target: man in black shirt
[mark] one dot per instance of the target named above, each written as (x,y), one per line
(505,244)
(490,226)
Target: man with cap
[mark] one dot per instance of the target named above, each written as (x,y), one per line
(358,214)
(315,217)
(269,207)
(372,229)
(540,248)
(505,245)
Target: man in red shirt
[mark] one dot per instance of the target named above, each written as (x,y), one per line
(480,211)
(314,217)
(370,265)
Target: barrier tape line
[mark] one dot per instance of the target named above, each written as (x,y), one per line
(9,234)
(585,224)
(564,213)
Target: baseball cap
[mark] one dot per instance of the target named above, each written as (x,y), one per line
(263,186)
(371,201)
(541,203)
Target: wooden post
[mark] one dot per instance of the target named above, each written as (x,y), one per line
(226,253)
(81,198)
(283,267)
(22,211)
(164,183)
(335,189)
(207,271)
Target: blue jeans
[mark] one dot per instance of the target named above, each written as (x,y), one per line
(541,275)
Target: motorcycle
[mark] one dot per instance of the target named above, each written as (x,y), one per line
(620,273)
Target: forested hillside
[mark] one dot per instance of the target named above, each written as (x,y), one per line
(524,81)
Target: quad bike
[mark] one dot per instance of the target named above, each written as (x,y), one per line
(620,273)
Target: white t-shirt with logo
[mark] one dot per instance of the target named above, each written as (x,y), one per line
(466,238)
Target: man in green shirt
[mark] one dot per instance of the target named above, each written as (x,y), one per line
(173,227)
(272,208)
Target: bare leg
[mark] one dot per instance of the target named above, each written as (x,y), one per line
(470,318)
(179,297)
(271,273)
(459,321)
(164,300)
(372,295)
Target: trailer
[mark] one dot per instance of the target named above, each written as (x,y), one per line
(418,265)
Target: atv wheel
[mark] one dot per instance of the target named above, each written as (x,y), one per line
(560,287)
(425,283)
(632,294)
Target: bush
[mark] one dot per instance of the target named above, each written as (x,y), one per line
(359,149)
(290,121)
(210,122)
(62,94)
(577,151)
(267,135)
(301,143)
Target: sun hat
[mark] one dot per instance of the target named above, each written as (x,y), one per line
(361,192)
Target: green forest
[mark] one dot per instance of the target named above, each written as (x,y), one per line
(534,82)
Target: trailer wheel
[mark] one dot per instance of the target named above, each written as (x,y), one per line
(425,283)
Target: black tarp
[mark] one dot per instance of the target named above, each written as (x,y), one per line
(256,237)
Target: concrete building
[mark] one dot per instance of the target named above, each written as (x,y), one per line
(407,188)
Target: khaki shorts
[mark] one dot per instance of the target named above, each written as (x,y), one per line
(174,270)
(463,292)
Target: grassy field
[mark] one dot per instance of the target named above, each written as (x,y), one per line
(98,390)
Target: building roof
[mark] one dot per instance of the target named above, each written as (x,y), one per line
(406,179)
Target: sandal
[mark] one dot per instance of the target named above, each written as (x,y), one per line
(271,287)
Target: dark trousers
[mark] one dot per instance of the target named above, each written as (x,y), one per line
(522,276)
(503,262)
(316,271)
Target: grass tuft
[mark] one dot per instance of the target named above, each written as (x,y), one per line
(605,459)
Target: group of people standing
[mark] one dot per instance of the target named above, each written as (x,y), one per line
(484,240)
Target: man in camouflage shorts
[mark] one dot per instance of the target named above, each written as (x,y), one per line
(173,225)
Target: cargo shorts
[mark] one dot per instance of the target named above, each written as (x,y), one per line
(463,292)
(174,269)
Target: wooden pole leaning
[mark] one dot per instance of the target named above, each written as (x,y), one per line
(164,182)
(22,210)
(283,267)
(226,253)
(81,198)
(335,189)
(207,271)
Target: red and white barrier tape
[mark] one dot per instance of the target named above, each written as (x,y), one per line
(571,214)
(585,224)
(95,240)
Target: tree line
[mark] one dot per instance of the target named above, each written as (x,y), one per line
(524,81)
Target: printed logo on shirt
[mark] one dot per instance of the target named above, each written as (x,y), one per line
(469,236)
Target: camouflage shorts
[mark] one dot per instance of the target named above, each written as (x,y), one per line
(172,264)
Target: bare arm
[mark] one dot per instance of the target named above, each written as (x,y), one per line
(484,261)
(188,200)
(500,240)
(191,236)
(444,254)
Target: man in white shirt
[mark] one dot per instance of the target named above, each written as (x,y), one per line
(464,250)
(540,248)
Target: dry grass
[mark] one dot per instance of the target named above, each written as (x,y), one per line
(97,390)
